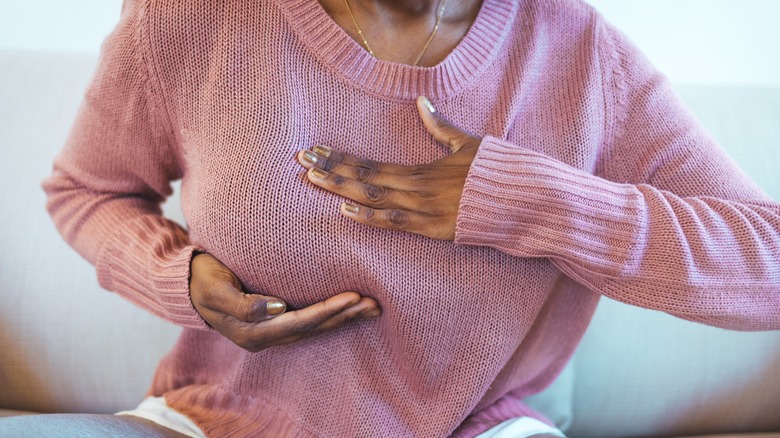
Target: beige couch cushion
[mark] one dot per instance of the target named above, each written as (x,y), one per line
(65,345)
(68,346)
(638,371)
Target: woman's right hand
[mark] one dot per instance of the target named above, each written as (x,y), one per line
(255,322)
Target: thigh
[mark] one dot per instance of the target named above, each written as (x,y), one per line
(83,425)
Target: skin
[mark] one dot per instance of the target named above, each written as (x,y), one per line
(422,199)
(397,30)
(255,322)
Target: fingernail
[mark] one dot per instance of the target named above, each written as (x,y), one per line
(318,173)
(351,208)
(322,150)
(371,313)
(428,104)
(273,308)
(310,157)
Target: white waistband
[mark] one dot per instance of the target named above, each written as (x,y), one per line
(522,427)
(156,410)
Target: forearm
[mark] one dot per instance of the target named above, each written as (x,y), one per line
(706,259)
(137,253)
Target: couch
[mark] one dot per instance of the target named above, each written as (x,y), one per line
(68,346)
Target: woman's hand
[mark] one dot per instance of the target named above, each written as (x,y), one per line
(255,322)
(421,199)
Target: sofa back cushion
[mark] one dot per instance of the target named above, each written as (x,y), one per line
(640,372)
(65,344)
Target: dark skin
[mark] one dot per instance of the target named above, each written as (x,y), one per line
(397,29)
(422,199)
(251,323)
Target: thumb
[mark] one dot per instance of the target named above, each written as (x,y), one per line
(255,308)
(439,127)
(246,307)
(216,288)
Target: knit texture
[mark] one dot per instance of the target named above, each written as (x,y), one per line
(591,180)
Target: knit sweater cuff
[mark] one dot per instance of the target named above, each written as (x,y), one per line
(149,265)
(530,205)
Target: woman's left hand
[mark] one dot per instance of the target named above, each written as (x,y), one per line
(421,199)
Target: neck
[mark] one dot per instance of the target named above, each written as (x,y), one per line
(397,30)
(412,10)
(409,8)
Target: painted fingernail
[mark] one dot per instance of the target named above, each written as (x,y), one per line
(310,157)
(371,313)
(273,308)
(351,208)
(428,104)
(322,150)
(318,173)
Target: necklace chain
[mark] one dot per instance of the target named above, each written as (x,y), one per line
(427,43)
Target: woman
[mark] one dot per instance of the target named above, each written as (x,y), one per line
(572,172)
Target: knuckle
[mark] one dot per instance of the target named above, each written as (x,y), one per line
(205,296)
(368,164)
(376,195)
(365,174)
(453,130)
(333,155)
(303,327)
(251,313)
(443,123)
(420,175)
(326,164)
(459,141)
(370,214)
(338,180)
(427,195)
(397,218)
(222,275)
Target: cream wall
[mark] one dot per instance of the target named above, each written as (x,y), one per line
(56,25)
(704,41)
(692,41)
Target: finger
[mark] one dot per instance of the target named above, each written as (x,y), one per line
(367,194)
(298,324)
(251,308)
(439,127)
(215,288)
(369,172)
(365,309)
(395,219)
(223,297)
(335,156)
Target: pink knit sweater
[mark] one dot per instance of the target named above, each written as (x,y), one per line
(592,179)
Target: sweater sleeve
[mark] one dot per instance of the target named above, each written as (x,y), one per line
(669,223)
(107,185)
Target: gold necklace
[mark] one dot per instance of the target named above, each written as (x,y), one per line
(427,43)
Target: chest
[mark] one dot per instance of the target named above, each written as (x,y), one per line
(247,202)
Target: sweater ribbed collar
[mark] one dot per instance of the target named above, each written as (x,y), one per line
(337,50)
